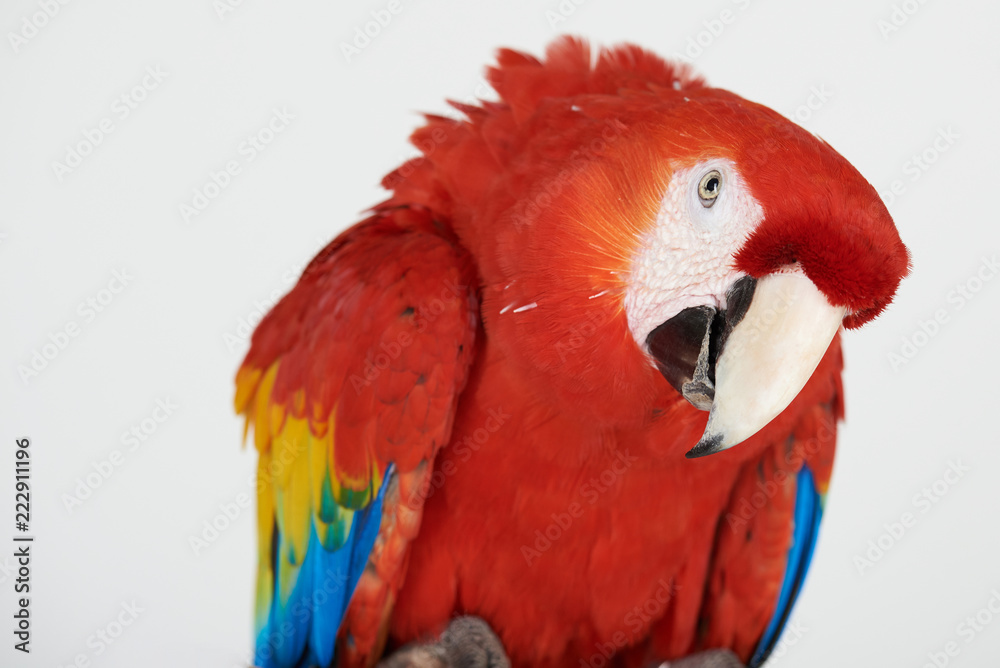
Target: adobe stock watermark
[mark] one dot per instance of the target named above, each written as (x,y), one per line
(591,492)
(542,195)
(121,108)
(922,502)
(790,637)
(330,585)
(240,336)
(213,527)
(480,92)
(101,640)
(377,360)
(57,341)
(224,8)
(712,29)
(562,12)
(634,625)
(764,151)
(899,16)
(408,166)
(248,150)
(32,24)
(748,506)
(917,165)
(131,439)
(817,97)
(365,33)
(229,512)
(592,323)
(967,630)
(237,339)
(464,450)
(957,298)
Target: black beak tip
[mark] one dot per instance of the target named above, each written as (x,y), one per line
(706,446)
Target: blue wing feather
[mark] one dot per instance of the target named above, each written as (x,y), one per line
(807,515)
(303,632)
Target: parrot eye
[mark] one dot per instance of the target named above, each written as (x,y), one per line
(709,188)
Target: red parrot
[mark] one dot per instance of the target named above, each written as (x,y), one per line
(494,396)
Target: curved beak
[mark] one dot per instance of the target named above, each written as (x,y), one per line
(753,359)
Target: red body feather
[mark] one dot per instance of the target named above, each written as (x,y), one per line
(560,508)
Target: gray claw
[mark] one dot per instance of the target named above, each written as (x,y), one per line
(713,658)
(468,642)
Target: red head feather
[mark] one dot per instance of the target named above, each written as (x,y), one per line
(552,188)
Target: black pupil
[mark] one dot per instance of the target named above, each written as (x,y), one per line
(712,185)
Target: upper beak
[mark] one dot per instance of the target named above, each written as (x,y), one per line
(746,364)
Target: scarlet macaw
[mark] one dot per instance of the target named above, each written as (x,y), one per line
(478,400)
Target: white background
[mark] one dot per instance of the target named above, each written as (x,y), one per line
(163,337)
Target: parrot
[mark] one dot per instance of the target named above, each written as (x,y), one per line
(569,395)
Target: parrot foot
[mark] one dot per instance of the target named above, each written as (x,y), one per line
(713,658)
(468,642)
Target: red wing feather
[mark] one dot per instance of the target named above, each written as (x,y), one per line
(357,369)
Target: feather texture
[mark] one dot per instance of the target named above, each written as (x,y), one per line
(453,418)
(351,382)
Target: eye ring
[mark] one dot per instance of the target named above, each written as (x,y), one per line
(709,188)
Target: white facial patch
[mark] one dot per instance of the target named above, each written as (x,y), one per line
(686,259)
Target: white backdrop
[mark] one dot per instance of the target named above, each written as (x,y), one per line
(133,310)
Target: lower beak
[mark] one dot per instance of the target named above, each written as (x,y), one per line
(753,359)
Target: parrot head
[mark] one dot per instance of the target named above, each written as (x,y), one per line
(680,232)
